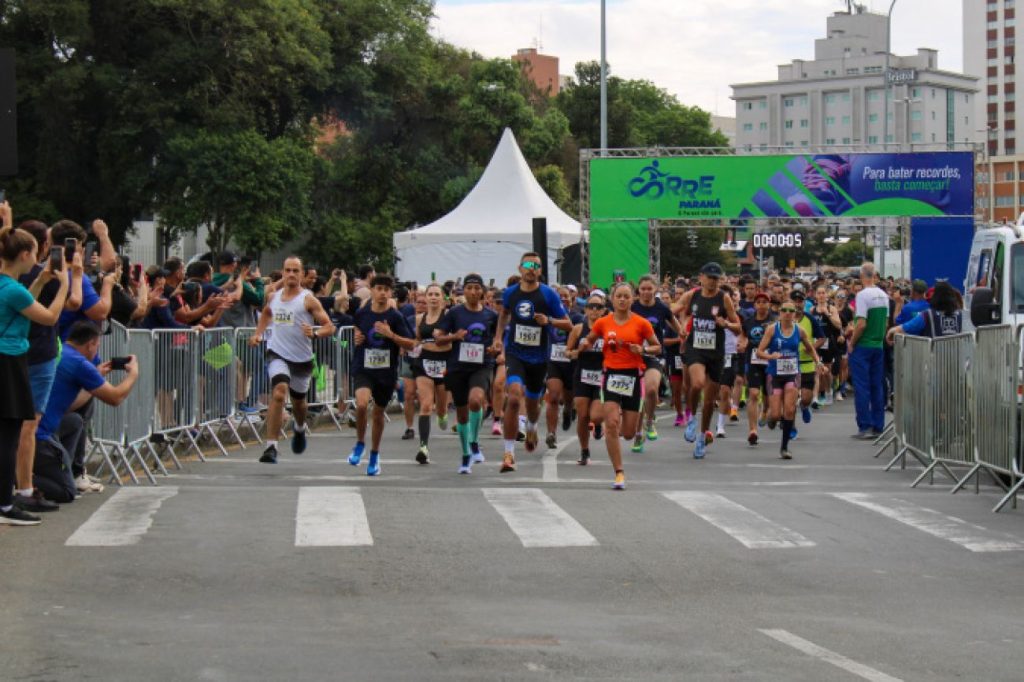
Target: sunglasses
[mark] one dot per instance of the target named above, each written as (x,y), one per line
(788,310)
(529,265)
(595,306)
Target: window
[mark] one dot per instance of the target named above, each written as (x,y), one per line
(873,95)
(1008,22)
(846,140)
(967,97)
(933,137)
(915,92)
(830,140)
(889,115)
(966,120)
(916,115)
(846,97)
(933,93)
(763,104)
(803,123)
(830,120)
(888,138)
(830,99)
(1017,276)
(992,62)
(803,100)
(787,102)
(789,143)
(992,24)
(933,114)
(846,120)
(789,123)
(746,106)
(1008,59)
(872,118)
(915,137)
(747,127)
(762,126)
(762,146)
(1008,176)
(872,69)
(993,44)
(872,139)
(852,72)
(803,143)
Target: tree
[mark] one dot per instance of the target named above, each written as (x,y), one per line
(684,251)
(244,188)
(849,254)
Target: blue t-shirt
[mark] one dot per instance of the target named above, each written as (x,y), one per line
(378,356)
(69,317)
(14,298)
(480,327)
(525,338)
(910,309)
(74,374)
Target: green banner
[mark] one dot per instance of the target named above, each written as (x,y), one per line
(618,246)
(822,185)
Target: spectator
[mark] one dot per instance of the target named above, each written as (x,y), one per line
(94,307)
(361,286)
(60,438)
(232,274)
(18,308)
(916,304)
(130,300)
(159,315)
(871,313)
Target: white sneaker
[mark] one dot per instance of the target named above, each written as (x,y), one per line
(84,485)
(721,433)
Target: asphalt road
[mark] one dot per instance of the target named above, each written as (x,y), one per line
(740,566)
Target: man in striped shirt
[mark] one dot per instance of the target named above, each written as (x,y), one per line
(867,362)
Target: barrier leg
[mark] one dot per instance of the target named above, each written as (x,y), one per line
(247,420)
(1010,496)
(107,462)
(887,434)
(208,428)
(130,452)
(145,444)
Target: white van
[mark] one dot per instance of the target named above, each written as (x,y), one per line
(994,288)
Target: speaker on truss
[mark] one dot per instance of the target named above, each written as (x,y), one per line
(8,114)
(540,245)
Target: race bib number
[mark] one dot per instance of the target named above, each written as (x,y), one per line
(471,353)
(704,340)
(728,361)
(620,384)
(527,336)
(678,362)
(785,366)
(435,369)
(754,360)
(283,318)
(558,353)
(377,358)
(591,377)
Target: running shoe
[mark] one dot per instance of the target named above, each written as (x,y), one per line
(373,468)
(531,441)
(423,454)
(752,438)
(794,434)
(839,395)
(620,481)
(357,454)
(699,449)
(298,440)
(638,443)
(246,408)
(652,431)
(772,423)
(805,414)
(508,463)
(442,421)
(496,428)
(269,455)
(721,432)
(815,405)
(598,431)
(566,418)
(466,465)
(409,434)
(679,420)
(478,456)
(691,430)
(762,422)
(733,415)
(743,402)
(784,454)
(687,416)
(16,516)
(709,438)
(551,441)
(584,457)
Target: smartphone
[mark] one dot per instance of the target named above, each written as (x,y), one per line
(90,251)
(137,272)
(70,246)
(490,284)
(56,258)
(119,364)
(618,276)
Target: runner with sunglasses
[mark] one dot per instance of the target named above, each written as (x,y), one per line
(528,307)
(781,345)
(589,372)
(627,339)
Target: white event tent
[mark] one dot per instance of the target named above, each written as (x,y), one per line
(490,229)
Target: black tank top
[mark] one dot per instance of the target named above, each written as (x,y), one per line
(705,335)
(426,331)
(593,357)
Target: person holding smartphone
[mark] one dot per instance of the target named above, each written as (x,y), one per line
(18,308)
(94,306)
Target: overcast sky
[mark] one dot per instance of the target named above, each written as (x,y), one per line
(693,48)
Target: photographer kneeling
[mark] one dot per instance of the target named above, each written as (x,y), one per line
(59,469)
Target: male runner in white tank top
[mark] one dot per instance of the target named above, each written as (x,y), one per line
(291,312)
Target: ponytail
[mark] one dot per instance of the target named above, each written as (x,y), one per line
(14,242)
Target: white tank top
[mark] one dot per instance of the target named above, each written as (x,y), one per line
(730,342)
(286,337)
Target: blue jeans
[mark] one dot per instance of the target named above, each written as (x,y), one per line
(867,369)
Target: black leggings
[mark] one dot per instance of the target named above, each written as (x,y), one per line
(10,433)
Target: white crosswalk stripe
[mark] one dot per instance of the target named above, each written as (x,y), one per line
(745,525)
(536,519)
(331,517)
(973,537)
(123,519)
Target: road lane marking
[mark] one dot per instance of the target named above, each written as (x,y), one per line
(831,657)
(123,519)
(973,537)
(549,473)
(331,517)
(536,519)
(745,525)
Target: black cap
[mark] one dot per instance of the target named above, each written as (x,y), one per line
(712,269)
(473,278)
(798,293)
(227,258)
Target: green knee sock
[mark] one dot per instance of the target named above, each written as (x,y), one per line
(463,431)
(475,418)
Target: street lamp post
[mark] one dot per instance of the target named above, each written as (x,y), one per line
(888,49)
(604,84)
(907,101)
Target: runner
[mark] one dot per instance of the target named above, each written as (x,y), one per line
(756,367)
(808,368)
(674,363)
(561,369)
(730,371)
(711,312)
(430,367)
(529,307)
(661,317)
(781,345)
(627,339)
(380,332)
(290,314)
(471,329)
(827,316)
(589,369)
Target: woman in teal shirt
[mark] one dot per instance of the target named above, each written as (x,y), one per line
(17,309)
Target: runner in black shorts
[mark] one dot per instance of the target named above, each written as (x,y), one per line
(661,318)
(589,373)
(561,369)
(674,365)
(757,368)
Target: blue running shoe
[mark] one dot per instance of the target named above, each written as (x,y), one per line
(698,451)
(357,454)
(373,468)
(691,430)
(793,434)
(299,441)
(805,412)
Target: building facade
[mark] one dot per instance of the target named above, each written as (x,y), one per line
(839,97)
(542,69)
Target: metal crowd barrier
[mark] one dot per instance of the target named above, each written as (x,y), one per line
(175,354)
(329,387)
(950,395)
(913,418)
(216,381)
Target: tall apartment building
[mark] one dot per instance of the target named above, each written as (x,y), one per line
(838,98)
(990,50)
(542,69)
